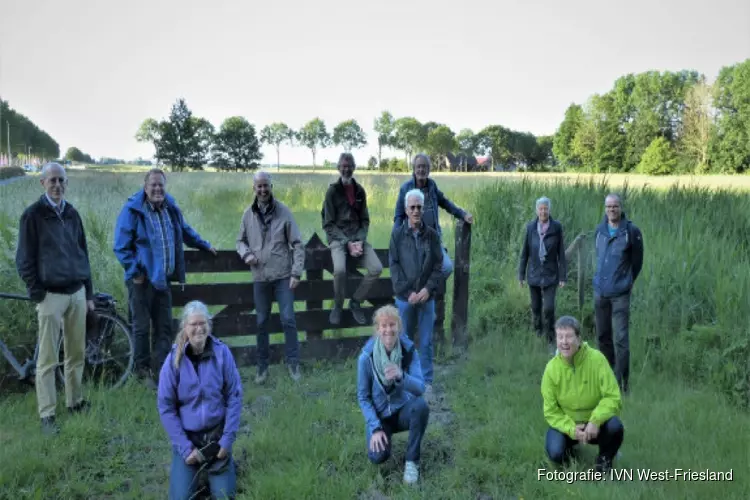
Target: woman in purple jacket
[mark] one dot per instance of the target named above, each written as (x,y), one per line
(200,402)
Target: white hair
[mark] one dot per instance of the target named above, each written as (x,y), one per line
(544,201)
(195,307)
(262,174)
(415,193)
(49,166)
(615,196)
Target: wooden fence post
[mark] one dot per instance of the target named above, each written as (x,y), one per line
(438,329)
(459,322)
(577,248)
(314,274)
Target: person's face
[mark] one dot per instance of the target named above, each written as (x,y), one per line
(612,206)
(346,169)
(542,211)
(414,210)
(263,189)
(421,169)
(55,181)
(567,342)
(196,329)
(388,332)
(155,188)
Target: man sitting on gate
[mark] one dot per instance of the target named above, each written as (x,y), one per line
(270,243)
(346,221)
(416,260)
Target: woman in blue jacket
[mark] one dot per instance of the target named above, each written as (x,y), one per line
(389,390)
(200,404)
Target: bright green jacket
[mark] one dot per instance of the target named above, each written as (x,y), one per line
(579,392)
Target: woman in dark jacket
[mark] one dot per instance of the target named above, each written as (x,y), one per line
(543,267)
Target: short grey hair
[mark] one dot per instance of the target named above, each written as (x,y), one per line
(262,174)
(544,201)
(615,196)
(414,193)
(424,157)
(568,322)
(49,166)
(195,307)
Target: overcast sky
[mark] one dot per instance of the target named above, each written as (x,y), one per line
(89,72)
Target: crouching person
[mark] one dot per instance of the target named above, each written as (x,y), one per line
(200,403)
(582,400)
(389,390)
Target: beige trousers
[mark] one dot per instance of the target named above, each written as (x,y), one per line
(369,260)
(56,312)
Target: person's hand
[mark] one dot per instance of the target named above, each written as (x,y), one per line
(193,458)
(393,372)
(423,295)
(222,453)
(378,442)
(293,282)
(581,433)
(251,260)
(562,284)
(468,218)
(138,280)
(520,283)
(352,248)
(592,431)
(90,305)
(213,251)
(413,298)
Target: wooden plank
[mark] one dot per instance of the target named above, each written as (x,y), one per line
(315,320)
(328,349)
(215,294)
(460,320)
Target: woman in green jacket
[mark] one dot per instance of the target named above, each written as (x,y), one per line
(582,400)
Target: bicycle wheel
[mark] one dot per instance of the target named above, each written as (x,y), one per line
(109,351)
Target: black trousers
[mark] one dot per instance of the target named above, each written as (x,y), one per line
(543,307)
(150,307)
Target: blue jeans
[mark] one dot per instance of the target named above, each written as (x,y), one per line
(420,318)
(264,292)
(412,417)
(183,480)
(559,446)
(447,264)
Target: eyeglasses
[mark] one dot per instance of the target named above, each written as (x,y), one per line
(415,208)
(56,180)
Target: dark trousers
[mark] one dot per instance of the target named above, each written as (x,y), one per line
(412,417)
(543,306)
(149,306)
(609,311)
(559,446)
(264,293)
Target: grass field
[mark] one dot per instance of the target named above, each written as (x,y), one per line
(687,410)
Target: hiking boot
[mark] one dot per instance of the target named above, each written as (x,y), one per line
(262,375)
(83,406)
(49,426)
(357,312)
(335,317)
(603,464)
(294,372)
(411,472)
(143,375)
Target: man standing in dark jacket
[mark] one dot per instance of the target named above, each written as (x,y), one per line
(619,259)
(346,221)
(52,258)
(543,252)
(149,236)
(416,261)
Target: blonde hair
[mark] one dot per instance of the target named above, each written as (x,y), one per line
(191,308)
(387,311)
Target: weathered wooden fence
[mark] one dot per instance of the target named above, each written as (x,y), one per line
(236,317)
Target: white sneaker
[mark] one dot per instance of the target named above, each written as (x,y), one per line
(411,473)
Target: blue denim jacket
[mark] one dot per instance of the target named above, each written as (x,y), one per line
(374,402)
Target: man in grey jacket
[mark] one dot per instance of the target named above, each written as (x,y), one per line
(619,259)
(269,241)
(416,261)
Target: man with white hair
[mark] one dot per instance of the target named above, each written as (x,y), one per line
(52,258)
(269,241)
(416,260)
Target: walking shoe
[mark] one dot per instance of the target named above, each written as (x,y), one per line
(357,312)
(603,464)
(294,372)
(262,375)
(335,317)
(411,472)
(49,426)
(80,407)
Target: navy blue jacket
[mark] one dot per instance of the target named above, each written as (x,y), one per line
(555,267)
(619,259)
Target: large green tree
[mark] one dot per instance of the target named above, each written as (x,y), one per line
(314,135)
(236,146)
(384,126)
(730,141)
(349,135)
(276,134)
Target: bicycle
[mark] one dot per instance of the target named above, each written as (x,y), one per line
(107,333)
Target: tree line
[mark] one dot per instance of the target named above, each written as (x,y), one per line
(25,137)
